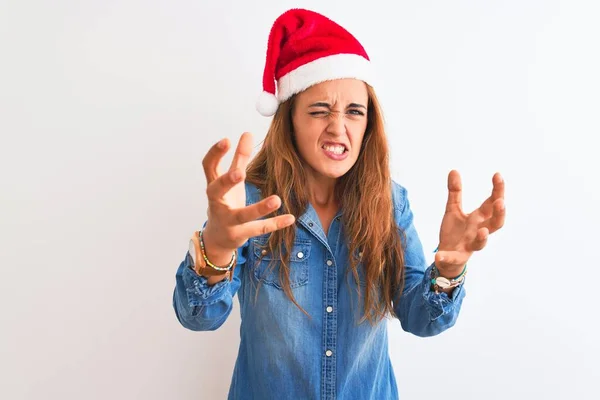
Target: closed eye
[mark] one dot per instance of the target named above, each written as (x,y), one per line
(324,113)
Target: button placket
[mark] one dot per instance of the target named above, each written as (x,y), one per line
(330,327)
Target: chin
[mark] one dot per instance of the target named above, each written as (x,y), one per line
(335,173)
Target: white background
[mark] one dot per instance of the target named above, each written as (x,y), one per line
(107,108)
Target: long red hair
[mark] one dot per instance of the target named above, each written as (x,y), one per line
(365,195)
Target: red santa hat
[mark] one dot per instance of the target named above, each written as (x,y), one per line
(306,48)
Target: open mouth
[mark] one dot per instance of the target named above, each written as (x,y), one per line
(337,149)
(336,152)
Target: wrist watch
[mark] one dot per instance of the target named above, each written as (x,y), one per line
(442,283)
(200,266)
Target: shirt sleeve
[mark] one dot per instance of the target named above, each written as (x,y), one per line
(199,306)
(420,310)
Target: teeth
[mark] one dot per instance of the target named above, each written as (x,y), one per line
(334,149)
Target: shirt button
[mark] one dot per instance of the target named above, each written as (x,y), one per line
(360,254)
(300,254)
(264,252)
(329,262)
(310,224)
(329,353)
(329,309)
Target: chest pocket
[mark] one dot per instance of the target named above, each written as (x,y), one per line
(268,268)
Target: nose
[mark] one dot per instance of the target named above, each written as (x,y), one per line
(337,123)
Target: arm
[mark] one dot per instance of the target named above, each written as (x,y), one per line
(199,305)
(420,310)
(236,208)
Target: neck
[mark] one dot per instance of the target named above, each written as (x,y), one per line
(322,192)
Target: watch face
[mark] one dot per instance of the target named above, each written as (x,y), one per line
(442,282)
(192,251)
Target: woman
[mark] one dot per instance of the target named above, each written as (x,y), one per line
(315,238)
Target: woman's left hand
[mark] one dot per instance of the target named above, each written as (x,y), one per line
(462,234)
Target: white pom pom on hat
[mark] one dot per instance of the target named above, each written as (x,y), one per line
(267,104)
(306,48)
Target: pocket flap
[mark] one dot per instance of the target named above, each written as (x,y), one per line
(300,250)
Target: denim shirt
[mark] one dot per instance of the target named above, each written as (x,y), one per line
(282,351)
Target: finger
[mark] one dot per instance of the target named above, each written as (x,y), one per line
(480,240)
(243,152)
(498,181)
(211,160)
(266,226)
(219,187)
(496,221)
(497,193)
(454,192)
(257,210)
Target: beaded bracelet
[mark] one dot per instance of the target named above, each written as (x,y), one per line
(439,282)
(227,268)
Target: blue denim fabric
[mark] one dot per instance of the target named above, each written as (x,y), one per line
(282,352)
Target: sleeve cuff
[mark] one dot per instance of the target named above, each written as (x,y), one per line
(199,292)
(440,304)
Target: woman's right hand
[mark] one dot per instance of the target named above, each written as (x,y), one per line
(230,222)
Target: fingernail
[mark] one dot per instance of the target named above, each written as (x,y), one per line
(237,174)
(221,144)
(272,203)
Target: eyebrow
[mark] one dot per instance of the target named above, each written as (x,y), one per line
(323,104)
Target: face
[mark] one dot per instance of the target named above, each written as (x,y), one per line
(329,122)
